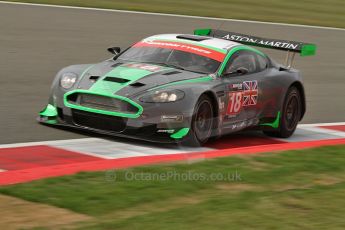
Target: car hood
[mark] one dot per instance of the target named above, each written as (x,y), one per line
(130,78)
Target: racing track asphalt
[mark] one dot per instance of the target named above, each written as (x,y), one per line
(37,41)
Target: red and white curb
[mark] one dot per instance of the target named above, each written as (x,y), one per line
(22,162)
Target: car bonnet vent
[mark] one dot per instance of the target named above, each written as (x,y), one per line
(116,79)
(192,37)
(171,73)
(137,84)
(93,78)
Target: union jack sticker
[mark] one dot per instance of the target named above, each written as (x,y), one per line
(250,93)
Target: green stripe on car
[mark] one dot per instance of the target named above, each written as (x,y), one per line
(232,51)
(49,111)
(123,72)
(180,134)
(104,112)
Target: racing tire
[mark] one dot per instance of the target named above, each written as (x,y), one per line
(290,116)
(202,123)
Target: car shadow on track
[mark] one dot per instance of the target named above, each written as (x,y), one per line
(237,140)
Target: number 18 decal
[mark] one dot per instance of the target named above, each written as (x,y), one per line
(235,103)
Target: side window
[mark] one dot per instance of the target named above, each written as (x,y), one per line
(262,62)
(242,59)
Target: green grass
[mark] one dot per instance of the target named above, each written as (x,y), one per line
(302,189)
(309,12)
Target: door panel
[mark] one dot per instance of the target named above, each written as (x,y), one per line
(245,92)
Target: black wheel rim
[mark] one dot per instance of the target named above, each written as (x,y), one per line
(203,121)
(292,112)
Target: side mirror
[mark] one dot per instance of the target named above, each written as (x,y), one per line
(242,71)
(114,50)
(238,72)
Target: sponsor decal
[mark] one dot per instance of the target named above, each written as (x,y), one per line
(239,125)
(143,66)
(172,118)
(170,131)
(202,51)
(244,124)
(236,86)
(261,41)
(305,49)
(221,103)
(243,94)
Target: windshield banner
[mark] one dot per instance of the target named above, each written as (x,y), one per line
(199,50)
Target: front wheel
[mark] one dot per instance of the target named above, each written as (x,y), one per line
(202,123)
(290,116)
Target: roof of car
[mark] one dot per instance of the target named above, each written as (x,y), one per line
(216,43)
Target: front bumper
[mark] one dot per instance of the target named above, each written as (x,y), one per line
(113,125)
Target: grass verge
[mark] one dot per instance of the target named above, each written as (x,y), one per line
(302,189)
(309,12)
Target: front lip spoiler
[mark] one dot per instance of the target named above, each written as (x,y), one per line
(103,132)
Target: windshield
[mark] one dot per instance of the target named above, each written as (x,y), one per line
(170,56)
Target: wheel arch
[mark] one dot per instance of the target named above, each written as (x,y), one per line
(213,97)
(214,100)
(300,88)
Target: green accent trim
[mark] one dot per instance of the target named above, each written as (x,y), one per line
(308,50)
(194,80)
(51,122)
(232,51)
(180,134)
(49,111)
(111,113)
(275,123)
(202,32)
(131,74)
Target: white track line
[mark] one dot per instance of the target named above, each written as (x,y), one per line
(15,145)
(89,153)
(321,124)
(2,170)
(173,15)
(324,131)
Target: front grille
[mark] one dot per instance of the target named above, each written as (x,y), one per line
(98,121)
(102,103)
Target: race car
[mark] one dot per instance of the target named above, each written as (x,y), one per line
(184,88)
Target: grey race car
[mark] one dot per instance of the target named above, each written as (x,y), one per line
(183,88)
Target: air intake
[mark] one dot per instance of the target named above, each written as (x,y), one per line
(116,79)
(193,37)
(137,84)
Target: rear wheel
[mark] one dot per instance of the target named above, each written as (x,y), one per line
(202,123)
(290,116)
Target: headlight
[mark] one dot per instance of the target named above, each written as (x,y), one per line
(67,80)
(162,96)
